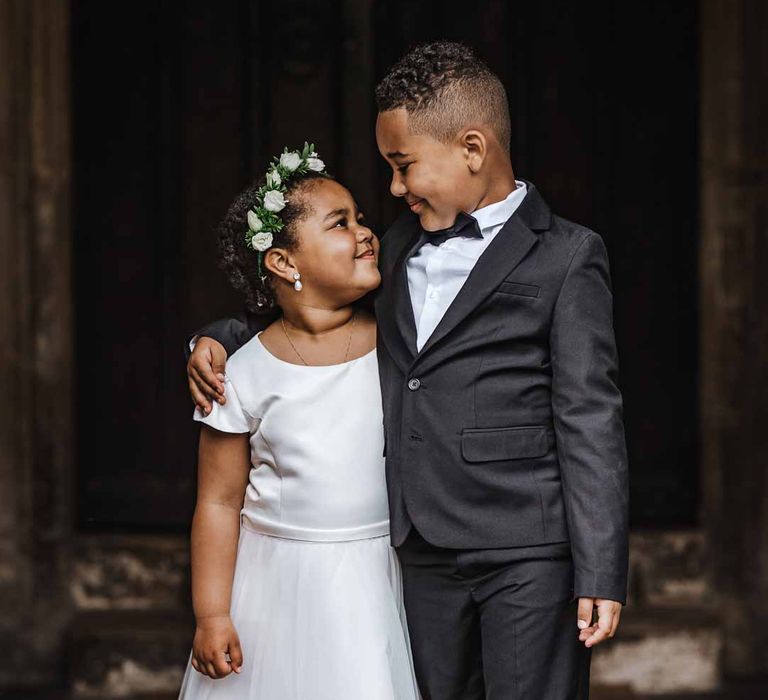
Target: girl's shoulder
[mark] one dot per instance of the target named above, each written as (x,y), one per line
(248,362)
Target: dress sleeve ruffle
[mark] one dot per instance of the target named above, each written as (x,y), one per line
(229,418)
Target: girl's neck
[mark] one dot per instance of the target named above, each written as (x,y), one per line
(315,321)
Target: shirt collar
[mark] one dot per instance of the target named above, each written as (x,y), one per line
(499,212)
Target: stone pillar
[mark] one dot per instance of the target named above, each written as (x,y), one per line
(35,332)
(734,321)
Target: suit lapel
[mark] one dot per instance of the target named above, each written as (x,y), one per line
(503,254)
(393,305)
(394,310)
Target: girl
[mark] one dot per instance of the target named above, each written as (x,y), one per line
(296,591)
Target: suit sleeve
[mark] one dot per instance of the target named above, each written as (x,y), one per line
(589,428)
(232,333)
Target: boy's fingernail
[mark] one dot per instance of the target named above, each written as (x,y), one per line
(581,624)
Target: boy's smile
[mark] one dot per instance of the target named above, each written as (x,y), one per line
(430,175)
(415,205)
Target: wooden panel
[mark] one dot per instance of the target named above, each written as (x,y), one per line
(196,102)
(158,158)
(649,193)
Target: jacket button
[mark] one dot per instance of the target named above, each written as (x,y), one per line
(414,384)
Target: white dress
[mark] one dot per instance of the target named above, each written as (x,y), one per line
(316,596)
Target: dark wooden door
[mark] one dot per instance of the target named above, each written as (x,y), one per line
(176,109)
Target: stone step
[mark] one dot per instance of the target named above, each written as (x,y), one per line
(128,653)
(660,651)
(143,654)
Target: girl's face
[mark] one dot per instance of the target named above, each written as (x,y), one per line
(337,254)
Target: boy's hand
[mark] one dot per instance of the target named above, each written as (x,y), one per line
(216,648)
(608,614)
(205,371)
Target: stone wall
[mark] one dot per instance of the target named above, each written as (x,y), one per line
(133,627)
(35,327)
(734,320)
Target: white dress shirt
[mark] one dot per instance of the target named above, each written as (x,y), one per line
(437,273)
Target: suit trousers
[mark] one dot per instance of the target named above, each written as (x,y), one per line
(493,624)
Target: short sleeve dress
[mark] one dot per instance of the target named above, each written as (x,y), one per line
(316,597)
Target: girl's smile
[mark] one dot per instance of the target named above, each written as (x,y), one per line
(367,255)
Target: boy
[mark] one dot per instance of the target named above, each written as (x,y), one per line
(505,456)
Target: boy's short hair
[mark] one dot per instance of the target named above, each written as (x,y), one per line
(444,86)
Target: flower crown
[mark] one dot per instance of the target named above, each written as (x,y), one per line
(263,217)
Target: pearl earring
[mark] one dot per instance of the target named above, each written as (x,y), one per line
(297,284)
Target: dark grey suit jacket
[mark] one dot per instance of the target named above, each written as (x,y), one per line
(506,429)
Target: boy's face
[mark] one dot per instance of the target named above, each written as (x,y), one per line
(430,175)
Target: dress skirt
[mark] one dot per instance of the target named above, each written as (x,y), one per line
(316,621)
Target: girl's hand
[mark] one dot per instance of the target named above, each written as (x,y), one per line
(215,641)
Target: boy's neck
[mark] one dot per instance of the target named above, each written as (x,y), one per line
(500,186)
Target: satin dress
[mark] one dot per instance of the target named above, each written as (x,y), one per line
(317,593)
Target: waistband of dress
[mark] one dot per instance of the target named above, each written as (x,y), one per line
(364,532)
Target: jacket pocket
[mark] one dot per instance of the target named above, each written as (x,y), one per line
(500,444)
(524,290)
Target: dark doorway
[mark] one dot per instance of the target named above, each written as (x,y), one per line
(174,112)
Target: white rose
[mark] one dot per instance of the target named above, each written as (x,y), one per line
(290,161)
(315,164)
(254,222)
(273,178)
(274,201)
(261,241)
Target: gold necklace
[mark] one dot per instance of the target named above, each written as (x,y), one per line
(298,354)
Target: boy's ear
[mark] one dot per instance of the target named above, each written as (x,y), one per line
(475,148)
(277,262)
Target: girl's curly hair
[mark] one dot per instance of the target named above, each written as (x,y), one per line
(240,262)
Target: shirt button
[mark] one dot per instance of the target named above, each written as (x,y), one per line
(414,384)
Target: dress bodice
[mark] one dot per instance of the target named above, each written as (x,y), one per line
(316,438)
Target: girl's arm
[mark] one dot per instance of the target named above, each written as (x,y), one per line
(223,466)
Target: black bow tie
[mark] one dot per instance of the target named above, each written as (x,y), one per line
(465,226)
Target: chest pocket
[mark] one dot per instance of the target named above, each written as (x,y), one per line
(523,290)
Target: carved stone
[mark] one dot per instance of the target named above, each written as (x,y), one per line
(35,325)
(733,320)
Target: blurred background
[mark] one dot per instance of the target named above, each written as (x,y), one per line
(125,131)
